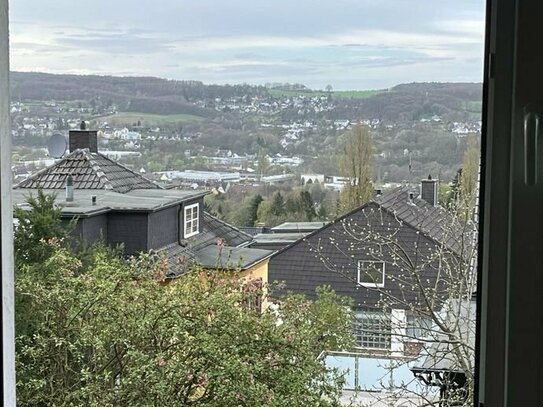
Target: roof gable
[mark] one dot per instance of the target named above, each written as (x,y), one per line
(433,222)
(89,171)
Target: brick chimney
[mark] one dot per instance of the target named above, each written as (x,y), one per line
(428,190)
(83,138)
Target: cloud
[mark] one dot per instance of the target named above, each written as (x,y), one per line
(314,42)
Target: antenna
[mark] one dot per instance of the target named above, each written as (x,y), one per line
(56,145)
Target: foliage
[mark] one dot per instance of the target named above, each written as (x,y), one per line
(445,195)
(295,205)
(357,165)
(112,333)
(36,225)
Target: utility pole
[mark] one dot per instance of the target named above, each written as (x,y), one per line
(6,219)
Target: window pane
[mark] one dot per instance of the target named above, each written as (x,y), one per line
(372,329)
(371,272)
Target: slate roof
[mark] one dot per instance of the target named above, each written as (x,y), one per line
(331,254)
(230,257)
(433,221)
(298,227)
(214,228)
(146,200)
(89,171)
(213,232)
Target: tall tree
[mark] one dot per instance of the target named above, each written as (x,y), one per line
(277,207)
(254,203)
(356,164)
(262,162)
(469,176)
(306,205)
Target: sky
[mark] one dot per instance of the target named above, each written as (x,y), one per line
(348,44)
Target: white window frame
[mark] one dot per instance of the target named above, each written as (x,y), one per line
(187,222)
(367,284)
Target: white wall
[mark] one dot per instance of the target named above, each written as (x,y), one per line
(6,218)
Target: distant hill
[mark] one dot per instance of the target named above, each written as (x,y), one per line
(131,94)
(414,101)
(406,102)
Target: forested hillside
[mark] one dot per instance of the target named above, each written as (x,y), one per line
(406,102)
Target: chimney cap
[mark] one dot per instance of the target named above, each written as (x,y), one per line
(83,125)
(429,177)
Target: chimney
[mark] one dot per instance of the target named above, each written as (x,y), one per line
(69,189)
(83,138)
(428,190)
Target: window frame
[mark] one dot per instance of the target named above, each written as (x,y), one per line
(186,222)
(371,284)
(367,318)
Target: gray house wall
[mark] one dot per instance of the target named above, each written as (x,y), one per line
(164,227)
(324,258)
(137,231)
(88,230)
(94,228)
(130,229)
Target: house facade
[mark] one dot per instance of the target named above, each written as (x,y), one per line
(116,205)
(386,256)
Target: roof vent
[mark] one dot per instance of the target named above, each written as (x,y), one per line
(69,189)
(410,197)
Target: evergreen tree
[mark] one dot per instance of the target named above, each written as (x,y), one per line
(277,207)
(252,209)
(37,224)
(306,205)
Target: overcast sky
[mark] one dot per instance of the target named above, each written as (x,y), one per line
(349,44)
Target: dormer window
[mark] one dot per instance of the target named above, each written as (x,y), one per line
(371,273)
(191,221)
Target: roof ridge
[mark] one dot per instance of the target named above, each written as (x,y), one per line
(229,225)
(378,201)
(129,170)
(427,210)
(97,169)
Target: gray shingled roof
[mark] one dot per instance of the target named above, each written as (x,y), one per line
(433,221)
(147,200)
(231,257)
(213,230)
(89,171)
